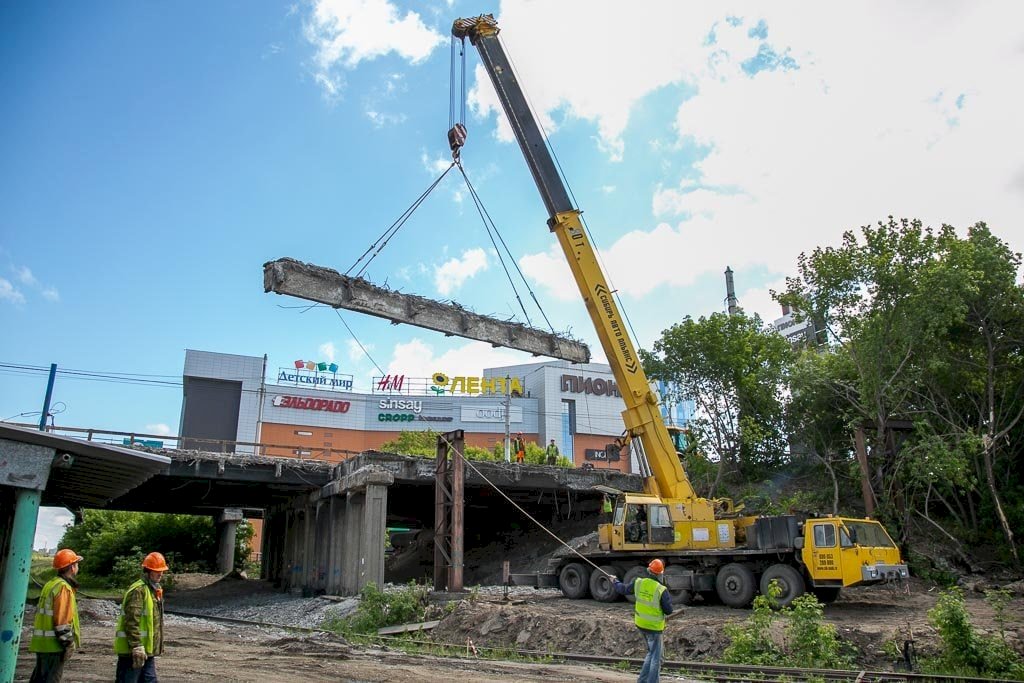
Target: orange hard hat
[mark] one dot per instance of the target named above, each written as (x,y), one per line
(656,567)
(64,558)
(155,562)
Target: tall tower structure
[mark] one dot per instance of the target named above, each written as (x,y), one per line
(730,292)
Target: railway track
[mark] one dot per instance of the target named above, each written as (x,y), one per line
(724,673)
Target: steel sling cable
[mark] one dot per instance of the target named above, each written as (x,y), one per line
(487,217)
(572,195)
(396,226)
(480,210)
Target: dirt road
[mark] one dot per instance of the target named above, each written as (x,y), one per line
(201,651)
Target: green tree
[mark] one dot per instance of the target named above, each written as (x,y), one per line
(735,370)
(425,444)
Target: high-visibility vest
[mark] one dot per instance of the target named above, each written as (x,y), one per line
(552,451)
(121,645)
(648,614)
(606,506)
(44,637)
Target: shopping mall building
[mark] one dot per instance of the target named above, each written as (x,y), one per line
(308,409)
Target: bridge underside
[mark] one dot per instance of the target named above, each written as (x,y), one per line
(325,523)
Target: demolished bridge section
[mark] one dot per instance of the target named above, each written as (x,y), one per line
(326,286)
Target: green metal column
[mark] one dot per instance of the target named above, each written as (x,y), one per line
(14,586)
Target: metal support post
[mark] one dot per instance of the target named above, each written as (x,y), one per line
(448,512)
(14,584)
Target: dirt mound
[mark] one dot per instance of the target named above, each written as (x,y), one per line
(194,580)
(97,610)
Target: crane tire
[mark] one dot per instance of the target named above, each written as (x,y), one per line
(574,580)
(632,574)
(789,580)
(735,584)
(601,587)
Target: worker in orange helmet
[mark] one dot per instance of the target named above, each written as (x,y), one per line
(55,632)
(139,638)
(653,604)
(519,446)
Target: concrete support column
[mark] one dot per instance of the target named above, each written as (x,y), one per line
(227,526)
(375,517)
(354,503)
(337,541)
(28,468)
(309,548)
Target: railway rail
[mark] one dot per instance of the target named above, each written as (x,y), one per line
(723,673)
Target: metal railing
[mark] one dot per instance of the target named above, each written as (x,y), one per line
(192,443)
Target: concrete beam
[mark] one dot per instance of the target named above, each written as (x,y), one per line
(326,286)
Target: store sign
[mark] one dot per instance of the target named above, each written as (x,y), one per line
(309,403)
(314,373)
(578,384)
(413,408)
(491,414)
(600,454)
(475,385)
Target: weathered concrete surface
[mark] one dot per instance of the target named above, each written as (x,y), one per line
(326,286)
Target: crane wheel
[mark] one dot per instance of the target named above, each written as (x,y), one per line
(735,584)
(680,596)
(574,580)
(826,594)
(789,581)
(632,574)
(601,587)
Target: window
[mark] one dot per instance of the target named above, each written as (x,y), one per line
(327,444)
(659,516)
(328,434)
(299,432)
(825,535)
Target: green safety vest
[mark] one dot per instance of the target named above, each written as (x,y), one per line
(121,645)
(648,614)
(552,451)
(606,506)
(44,637)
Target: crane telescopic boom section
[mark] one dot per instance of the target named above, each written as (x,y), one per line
(642,416)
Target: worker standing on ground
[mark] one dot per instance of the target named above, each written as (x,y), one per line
(552,453)
(653,604)
(140,628)
(519,445)
(55,632)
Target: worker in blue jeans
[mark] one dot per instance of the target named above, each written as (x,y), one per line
(653,604)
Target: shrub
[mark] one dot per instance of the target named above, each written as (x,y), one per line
(378,609)
(966,652)
(805,640)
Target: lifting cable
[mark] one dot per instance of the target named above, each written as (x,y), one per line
(518,507)
(572,195)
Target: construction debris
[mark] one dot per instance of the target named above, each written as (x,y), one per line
(326,286)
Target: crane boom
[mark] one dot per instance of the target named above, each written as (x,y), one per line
(642,416)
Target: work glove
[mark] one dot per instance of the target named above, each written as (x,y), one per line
(138,657)
(65,635)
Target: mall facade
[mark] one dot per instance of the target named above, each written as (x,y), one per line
(308,408)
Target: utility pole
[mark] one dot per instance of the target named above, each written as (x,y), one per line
(49,395)
(508,406)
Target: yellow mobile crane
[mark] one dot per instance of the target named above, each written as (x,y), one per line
(708,549)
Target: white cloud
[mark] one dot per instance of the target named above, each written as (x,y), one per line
(607,189)
(51,294)
(759,300)
(346,32)
(158,428)
(434,165)
(9,292)
(789,158)
(25,276)
(327,351)
(50,527)
(417,359)
(451,275)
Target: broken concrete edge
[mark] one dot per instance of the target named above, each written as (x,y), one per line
(357,481)
(327,286)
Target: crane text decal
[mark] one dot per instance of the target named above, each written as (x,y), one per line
(620,339)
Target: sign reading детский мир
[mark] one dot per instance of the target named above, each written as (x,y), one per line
(315,374)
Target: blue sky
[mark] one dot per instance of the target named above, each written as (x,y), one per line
(153,157)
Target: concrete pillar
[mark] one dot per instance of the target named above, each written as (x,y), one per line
(354,504)
(309,548)
(375,517)
(337,535)
(227,525)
